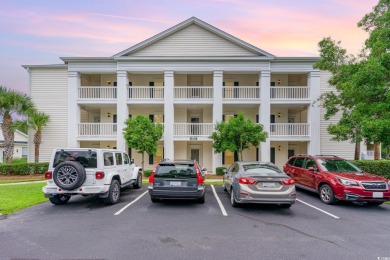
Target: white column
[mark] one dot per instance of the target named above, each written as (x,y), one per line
(169,115)
(121,108)
(73,109)
(314,113)
(217,111)
(265,112)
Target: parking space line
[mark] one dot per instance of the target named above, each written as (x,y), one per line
(314,207)
(219,202)
(131,203)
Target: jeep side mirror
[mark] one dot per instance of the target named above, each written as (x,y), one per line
(312,169)
(131,161)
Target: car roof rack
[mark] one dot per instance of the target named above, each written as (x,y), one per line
(326,155)
(301,155)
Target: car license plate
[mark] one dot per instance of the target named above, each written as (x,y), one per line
(377,194)
(269,184)
(175,183)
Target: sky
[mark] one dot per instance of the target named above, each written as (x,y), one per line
(37,32)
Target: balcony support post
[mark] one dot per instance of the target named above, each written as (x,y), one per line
(73,109)
(314,113)
(264,112)
(217,111)
(121,108)
(169,114)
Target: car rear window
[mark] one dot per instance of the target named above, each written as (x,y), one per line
(262,170)
(85,158)
(176,171)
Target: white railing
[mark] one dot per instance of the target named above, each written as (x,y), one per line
(97,129)
(189,129)
(145,92)
(296,129)
(193,92)
(290,92)
(87,92)
(241,92)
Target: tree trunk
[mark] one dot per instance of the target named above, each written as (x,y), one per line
(241,158)
(142,163)
(357,151)
(37,142)
(8,134)
(387,153)
(377,151)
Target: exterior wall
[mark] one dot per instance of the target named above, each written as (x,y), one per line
(180,115)
(243,79)
(208,157)
(186,43)
(49,91)
(248,112)
(144,79)
(181,150)
(146,111)
(343,149)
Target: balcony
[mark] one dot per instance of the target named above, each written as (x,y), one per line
(192,132)
(290,93)
(186,93)
(93,131)
(241,93)
(143,93)
(97,93)
(286,131)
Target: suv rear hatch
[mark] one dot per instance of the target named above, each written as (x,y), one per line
(176,177)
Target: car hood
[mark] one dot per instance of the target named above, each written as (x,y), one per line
(359,176)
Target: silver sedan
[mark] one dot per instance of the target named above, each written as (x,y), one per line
(258,182)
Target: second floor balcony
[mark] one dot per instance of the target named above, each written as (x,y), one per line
(97,93)
(191,131)
(97,131)
(289,131)
(289,93)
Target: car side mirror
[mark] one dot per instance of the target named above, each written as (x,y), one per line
(131,161)
(312,169)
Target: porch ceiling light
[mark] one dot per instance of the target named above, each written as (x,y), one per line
(279,114)
(108,115)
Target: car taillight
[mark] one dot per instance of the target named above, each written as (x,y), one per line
(288,181)
(151,177)
(99,175)
(48,175)
(244,180)
(199,176)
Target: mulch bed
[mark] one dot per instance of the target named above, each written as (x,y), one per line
(21,177)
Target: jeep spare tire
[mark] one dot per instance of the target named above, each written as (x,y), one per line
(69,175)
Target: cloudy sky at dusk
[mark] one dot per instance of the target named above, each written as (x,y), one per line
(34,32)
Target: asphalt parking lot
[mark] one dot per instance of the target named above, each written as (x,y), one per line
(136,228)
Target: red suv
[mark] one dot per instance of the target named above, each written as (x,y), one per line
(337,179)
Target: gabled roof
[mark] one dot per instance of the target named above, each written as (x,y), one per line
(186,23)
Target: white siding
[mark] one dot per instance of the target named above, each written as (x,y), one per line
(207,157)
(342,149)
(193,41)
(49,91)
(181,150)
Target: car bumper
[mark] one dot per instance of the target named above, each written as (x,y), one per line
(83,190)
(247,195)
(359,194)
(174,194)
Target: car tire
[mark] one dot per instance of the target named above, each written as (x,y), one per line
(69,175)
(375,203)
(201,199)
(327,194)
(60,199)
(113,193)
(138,183)
(224,185)
(233,201)
(154,200)
(285,206)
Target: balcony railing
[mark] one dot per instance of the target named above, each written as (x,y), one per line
(290,93)
(232,93)
(196,93)
(155,93)
(296,129)
(190,129)
(87,92)
(97,129)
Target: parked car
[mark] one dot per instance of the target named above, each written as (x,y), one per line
(258,182)
(177,179)
(336,179)
(89,171)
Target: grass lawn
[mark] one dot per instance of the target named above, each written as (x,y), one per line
(17,197)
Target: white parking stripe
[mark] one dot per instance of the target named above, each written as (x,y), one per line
(323,211)
(219,202)
(131,203)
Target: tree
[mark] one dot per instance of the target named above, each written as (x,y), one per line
(12,102)
(237,134)
(35,121)
(142,134)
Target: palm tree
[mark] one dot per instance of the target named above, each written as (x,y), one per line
(12,102)
(36,121)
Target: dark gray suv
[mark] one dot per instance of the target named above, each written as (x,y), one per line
(177,179)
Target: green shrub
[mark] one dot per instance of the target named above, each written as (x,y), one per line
(147,173)
(24,168)
(378,167)
(219,171)
(19,160)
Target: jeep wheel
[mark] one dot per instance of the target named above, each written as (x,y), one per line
(138,183)
(113,193)
(69,175)
(60,199)
(327,195)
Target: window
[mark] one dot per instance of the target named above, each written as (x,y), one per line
(310,163)
(153,159)
(262,170)
(108,159)
(85,158)
(118,158)
(299,162)
(126,159)
(291,161)
(176,170)
(24,152)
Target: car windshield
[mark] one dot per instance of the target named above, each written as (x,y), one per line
(176,171)
(85,158)
(262,170)
(338,166)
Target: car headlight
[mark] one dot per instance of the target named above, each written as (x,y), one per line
(346,182)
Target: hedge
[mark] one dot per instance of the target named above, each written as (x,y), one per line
(24,168)
(219,170)
(378,167)
(147,173)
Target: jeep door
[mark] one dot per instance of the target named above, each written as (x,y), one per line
(128,168)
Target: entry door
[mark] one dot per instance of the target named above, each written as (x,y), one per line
(272,121)
(114,120)
(194,126)
(272,154)
(291,153)
(195,154)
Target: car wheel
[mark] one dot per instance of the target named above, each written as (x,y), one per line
(60,199)
(113,193)
(285,206)
(69,175)
(375,203)
(327,195)
(233,200)
(154,200)
(201,199)
(138,183)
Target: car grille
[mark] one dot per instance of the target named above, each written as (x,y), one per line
(379,185)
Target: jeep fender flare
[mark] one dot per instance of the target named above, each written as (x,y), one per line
(136,170)
(113,176)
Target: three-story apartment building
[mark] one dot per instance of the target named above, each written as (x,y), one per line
(187,78)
